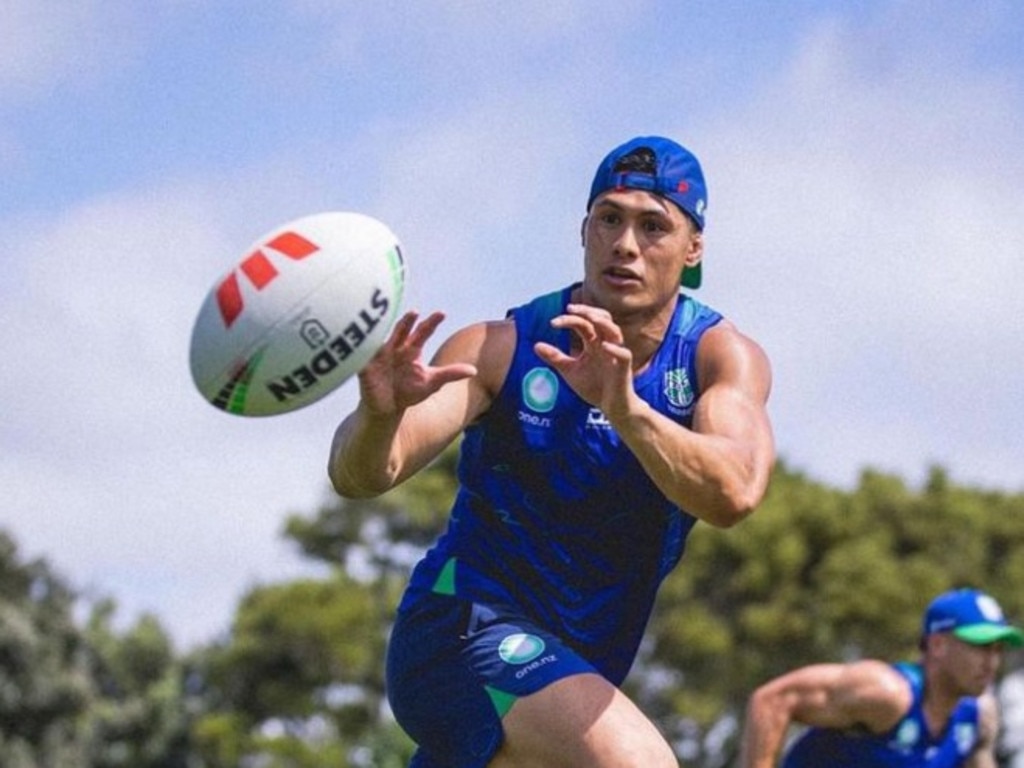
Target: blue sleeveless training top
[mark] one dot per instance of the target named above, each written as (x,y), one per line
(555,518)
(907,744)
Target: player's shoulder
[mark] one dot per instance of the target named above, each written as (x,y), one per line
(882,673)
(876,694)
(482,339)
(725,353)
(883,685)
(727,334)
(489,345)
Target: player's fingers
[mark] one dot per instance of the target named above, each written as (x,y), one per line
(600,319)
(419,334)
(446,374)
(581,326)
(616,350)
(403,327)
(551,355)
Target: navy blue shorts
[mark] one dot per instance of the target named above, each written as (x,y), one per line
(455,667)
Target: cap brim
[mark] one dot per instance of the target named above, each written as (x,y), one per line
(984,634)
(691,276)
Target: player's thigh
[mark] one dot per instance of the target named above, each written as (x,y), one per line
(582,720)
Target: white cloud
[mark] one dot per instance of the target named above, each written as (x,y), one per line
(45,42)
(122,474)
(865,226)
(876,229)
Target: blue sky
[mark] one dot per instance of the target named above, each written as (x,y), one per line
(866,225)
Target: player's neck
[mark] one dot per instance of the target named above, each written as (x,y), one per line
(938,706)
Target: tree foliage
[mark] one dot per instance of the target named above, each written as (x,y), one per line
(82,697)
(44,673)
(304,662)
(817,574)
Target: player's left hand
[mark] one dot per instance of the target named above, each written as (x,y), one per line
(598,367)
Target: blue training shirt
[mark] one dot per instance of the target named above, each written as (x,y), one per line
(908,743)
(555,517)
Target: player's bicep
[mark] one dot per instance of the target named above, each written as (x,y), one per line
(868,694)
(730,411)
(814,697)
(734,380)
(488,347)
(734,376)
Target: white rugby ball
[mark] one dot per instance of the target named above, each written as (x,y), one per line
(303,311)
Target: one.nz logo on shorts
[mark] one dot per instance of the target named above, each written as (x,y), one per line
(520,648)
(525,652)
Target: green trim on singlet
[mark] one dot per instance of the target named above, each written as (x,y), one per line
(502,701)
(445,583)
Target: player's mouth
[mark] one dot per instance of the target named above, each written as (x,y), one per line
(621,276)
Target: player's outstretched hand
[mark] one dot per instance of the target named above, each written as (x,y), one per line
(397,377)
(599,369)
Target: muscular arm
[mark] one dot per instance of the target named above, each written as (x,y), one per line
(719,469)
(408,411)
(865,693)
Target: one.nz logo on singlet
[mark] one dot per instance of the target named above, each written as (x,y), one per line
(965,735)
(539,393)
(540,390)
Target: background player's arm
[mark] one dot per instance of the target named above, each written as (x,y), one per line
(866,693)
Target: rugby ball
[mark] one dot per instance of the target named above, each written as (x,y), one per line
(304,310)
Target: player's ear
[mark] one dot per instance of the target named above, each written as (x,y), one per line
(583,231)
(939,643)
(695,248)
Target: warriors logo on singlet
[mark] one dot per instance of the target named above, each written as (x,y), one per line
(906,737)
(678,389)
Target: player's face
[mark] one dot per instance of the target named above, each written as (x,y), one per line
(972,668)
(635,247)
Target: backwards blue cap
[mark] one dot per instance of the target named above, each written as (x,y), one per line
(659,165)
(971,616)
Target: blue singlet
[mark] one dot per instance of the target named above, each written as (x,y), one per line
(907,745)
(556,545)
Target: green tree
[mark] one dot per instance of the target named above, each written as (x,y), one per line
(82,698)
(138,715)
(45,683)
(817,574)
(299,682)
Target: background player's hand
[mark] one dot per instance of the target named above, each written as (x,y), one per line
(397,378)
